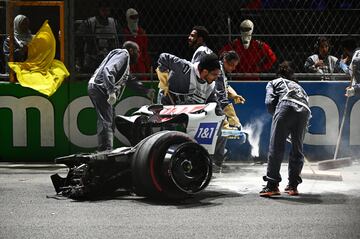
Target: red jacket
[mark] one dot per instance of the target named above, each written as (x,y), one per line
(144,61)
(256,59)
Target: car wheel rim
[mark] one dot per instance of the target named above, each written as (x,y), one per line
(189,166)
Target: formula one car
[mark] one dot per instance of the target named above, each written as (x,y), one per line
(169,156)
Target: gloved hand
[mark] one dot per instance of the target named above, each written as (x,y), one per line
(231,116)
(350,91)
(226,125)
(238,99)
(163,81)
(239,127)
(112,99)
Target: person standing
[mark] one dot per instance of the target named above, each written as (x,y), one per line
(98,35)
(134,32)
(225,92)
(105,86)
(287,101)
(197,41)
(256,56)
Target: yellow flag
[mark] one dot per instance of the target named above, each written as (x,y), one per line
(41,71)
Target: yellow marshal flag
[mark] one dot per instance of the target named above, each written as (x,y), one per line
(41,71)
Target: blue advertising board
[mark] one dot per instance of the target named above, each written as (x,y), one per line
(327,102)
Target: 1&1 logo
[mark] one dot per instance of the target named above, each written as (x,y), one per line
(205,133)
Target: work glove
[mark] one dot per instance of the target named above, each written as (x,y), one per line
(238,99)
(226,125)
(163,81)
(350,91)
(231,116)
(112,99)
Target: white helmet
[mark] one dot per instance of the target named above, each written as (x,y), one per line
(246,29)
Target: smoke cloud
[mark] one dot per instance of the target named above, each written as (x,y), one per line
(254,129)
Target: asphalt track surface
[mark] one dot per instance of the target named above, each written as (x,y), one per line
(229,208)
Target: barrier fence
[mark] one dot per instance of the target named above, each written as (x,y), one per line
(290,27)
(37,128)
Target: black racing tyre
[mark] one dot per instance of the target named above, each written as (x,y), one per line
(170,165)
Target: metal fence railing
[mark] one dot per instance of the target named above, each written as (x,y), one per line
(289,27)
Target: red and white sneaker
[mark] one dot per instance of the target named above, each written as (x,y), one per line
(269,191)
(291,190)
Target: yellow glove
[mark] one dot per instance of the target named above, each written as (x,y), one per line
(226,124)
(163,81)
(238,99)
(231,116)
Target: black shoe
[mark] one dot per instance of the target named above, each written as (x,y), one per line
(269,191)
(291,190)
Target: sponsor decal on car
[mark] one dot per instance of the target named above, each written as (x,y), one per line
(205,133)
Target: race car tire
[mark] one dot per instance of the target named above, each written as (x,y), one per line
(170,165)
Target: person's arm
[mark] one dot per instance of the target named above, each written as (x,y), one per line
(6,49)
(221,92)
(269,58)
(168,62)
(355,67)
(357,89)
(20,53)
(114,69)
(309,65)
(271,99)
(238,99)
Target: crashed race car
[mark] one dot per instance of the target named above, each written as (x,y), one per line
(169,156)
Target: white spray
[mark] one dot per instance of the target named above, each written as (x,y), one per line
(254,129)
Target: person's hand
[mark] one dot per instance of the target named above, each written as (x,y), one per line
(239,127)
(350,91)
(319,63)
(238,99)
(231,115)
(345,59)
(112,99)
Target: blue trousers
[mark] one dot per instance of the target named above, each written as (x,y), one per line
(287,121)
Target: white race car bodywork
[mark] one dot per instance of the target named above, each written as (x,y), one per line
(203,124)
